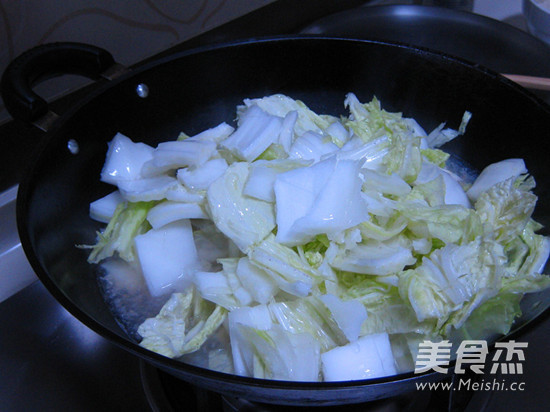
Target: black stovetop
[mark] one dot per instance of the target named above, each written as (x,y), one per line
(49,361)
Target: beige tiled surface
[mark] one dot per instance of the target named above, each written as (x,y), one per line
(130,29)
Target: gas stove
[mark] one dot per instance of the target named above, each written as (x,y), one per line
(50,361)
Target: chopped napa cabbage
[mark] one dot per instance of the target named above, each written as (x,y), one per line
(145,190)
(454,192)
(168,212)
(346,239)
(314,252)
(370,122)
(255,317)
(167,256)
(256,132)
(404,355)
(262,175)
(274,152)
(404,157)
(277,354)
(440,186)
(256,281)
(323,319)
(323,198)
(464,122)
(290,272)
(525,283)
(349,315)
(286,137)
(200,178)
(128,221)
(215,287)
(367,358)
(537,251)
(212,245)
(383,229)
(387,311)
(439,136)
(338,133)
(244,220)
(214,134)
(311,146)
(179,193)
(383,183)
(506,208)
(428,172)
(309,316)
(431,193)
(182,325)
(371,154)
(375,258)
(103,209)
(453,278)
(334,244)
(492,318)
(435,156)
(378,204)
(223,288)
(516,252)
(446,223)
(496,173)
(281,105)
(174,155)
(125,159)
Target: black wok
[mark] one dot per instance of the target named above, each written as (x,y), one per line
(199,89)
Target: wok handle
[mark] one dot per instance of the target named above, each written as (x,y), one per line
(41,63)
